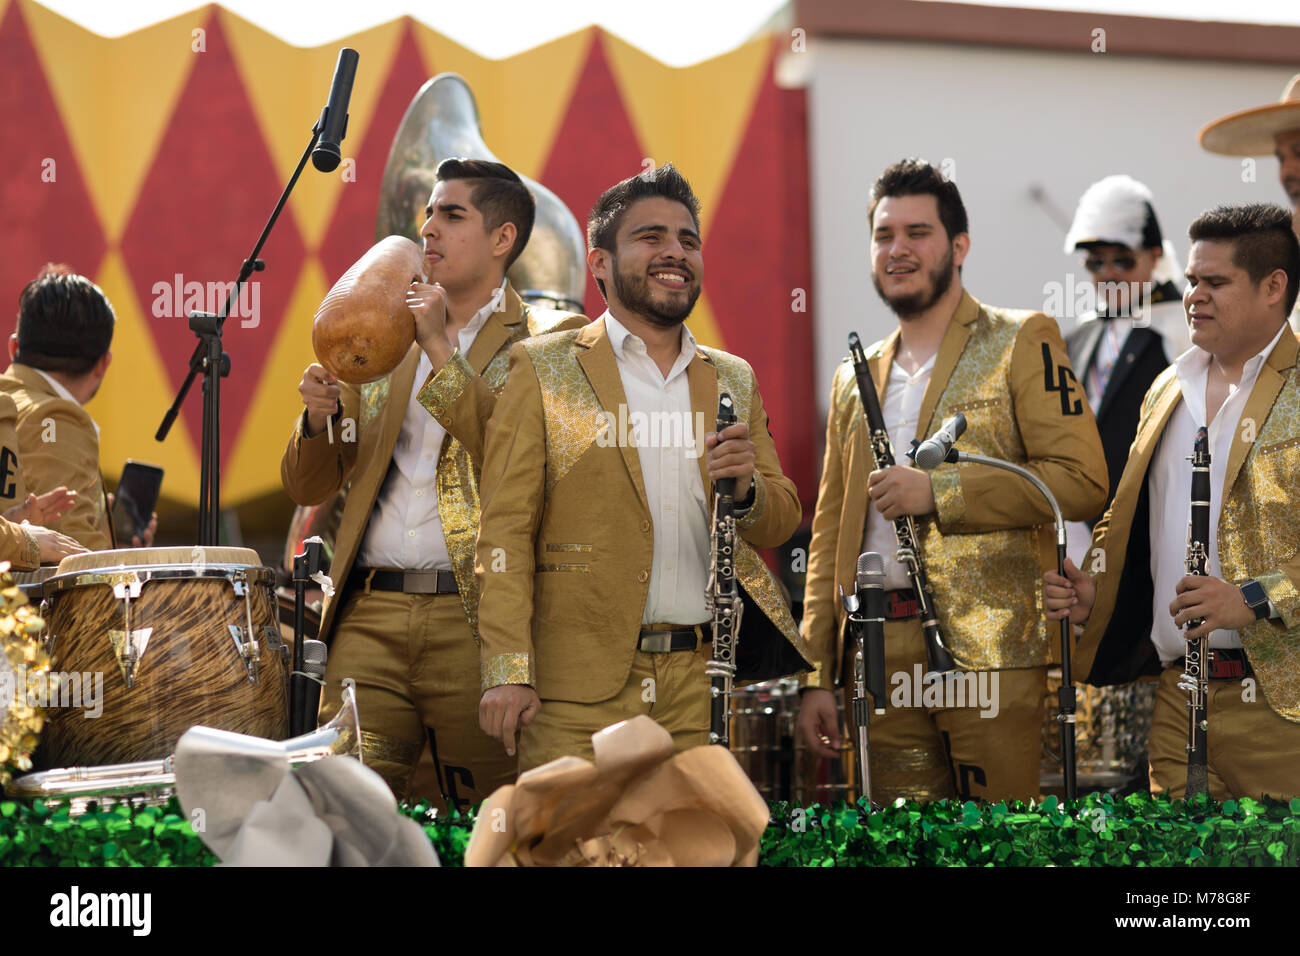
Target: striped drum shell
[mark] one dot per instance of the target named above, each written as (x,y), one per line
(190,670)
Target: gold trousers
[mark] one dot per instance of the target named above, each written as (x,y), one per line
(978,739)
(1250,752)
(416,665)
(670,687)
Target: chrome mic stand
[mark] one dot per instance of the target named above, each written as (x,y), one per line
(1065,715)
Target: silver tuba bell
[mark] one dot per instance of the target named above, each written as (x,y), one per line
(153,782)
(442,121)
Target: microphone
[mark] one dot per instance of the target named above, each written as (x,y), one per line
(314,654)
(334,118)
(933,452)
(871,599)
(308,673)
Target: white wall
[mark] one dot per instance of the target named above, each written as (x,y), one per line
(1008,119)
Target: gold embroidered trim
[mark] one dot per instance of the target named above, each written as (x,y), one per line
(569,547)
(509,669)
(373,397)
(978,403)
(907,759)
(949,503)
(1278,446)
(564,567)
(442,390)
(32,559)
(389,749)
(814,678)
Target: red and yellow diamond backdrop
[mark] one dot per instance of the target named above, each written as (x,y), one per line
(160,154)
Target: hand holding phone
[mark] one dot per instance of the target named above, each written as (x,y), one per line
(133,504)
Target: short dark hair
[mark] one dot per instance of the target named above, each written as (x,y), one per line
(499,195)
(663,182)
(1262,241)
(65,322)
(916,177)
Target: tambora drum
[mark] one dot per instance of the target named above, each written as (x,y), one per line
(181,636)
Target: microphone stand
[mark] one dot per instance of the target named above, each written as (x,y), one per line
(213,362)
(1065,695)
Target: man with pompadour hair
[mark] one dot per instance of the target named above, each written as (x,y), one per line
(1238,381)
(404,620)
(985,536)
(593,551)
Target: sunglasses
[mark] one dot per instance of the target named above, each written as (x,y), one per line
(1122,263)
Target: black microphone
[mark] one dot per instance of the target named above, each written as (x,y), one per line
(334,118)
(307,675)
(871,598)
(933,452)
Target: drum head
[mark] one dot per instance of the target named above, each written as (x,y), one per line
(138,557)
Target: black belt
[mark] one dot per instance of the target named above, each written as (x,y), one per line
(902,604)
(1226,663)
(663,638)
(407,582)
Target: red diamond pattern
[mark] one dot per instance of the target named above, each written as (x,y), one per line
(204,202)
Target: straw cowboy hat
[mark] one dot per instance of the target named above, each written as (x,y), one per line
(1250,132)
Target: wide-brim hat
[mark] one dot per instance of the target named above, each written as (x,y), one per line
(1250,132)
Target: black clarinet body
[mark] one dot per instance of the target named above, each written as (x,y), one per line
(723,595)
(1196,677)
(909,552)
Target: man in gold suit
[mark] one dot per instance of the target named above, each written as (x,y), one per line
(25,542)
(60,355)
(404,619)
(985,535)
(593,555)
(1239,381)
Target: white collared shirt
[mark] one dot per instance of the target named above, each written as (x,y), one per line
(1170,487)
(670,469)
(63,393)
(405,529)
(901,408)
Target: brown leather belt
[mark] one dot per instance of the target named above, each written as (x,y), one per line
(664,638)
(406,582)
(1226,663)
(901,604)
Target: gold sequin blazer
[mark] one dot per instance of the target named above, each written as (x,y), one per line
(991,536)
(566,543)
(1259,537)
(461,396)
(58,444)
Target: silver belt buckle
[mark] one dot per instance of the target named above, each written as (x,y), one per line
(656,642)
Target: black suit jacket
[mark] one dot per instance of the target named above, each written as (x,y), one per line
(1142,357)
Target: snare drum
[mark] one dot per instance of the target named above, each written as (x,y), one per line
(781,767)
(175,637)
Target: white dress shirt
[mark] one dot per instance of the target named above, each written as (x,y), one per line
(901,408)
(405,529)
(670,469)
(1170,478)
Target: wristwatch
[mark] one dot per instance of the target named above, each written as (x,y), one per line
(1256,599)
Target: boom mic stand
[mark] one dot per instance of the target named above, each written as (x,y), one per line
(211,360)
(1065,715)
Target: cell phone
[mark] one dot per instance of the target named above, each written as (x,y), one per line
(134,501)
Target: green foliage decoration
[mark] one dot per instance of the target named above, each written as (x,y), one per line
(1098,830)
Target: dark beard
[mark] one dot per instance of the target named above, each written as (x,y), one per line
(634,292)
(910,306)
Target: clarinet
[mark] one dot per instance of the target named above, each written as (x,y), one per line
(723,597)
(1196,680)
(936,653)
